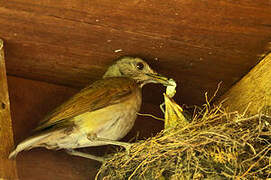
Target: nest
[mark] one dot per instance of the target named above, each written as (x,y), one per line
(215,145)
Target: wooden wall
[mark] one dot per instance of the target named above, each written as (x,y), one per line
(53,48)
(197,42)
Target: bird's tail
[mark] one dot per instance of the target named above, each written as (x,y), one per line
(27,144)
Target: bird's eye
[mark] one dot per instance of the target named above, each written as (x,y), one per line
(140,66)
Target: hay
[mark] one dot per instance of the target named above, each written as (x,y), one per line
(215,145)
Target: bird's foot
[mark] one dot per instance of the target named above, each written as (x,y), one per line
(127,147)
(85,155)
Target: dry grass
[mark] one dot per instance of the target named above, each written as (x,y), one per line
(215,145)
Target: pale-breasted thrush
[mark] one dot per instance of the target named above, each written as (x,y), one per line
(99,114)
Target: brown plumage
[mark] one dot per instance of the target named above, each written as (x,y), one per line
(99,114)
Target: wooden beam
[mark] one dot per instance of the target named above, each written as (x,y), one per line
(253,91)
(7,167)
(72,42)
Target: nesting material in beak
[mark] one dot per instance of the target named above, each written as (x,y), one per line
(173,112)
(157,78)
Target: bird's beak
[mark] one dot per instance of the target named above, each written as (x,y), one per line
(157,78)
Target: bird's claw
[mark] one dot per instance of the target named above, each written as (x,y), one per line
(127,147)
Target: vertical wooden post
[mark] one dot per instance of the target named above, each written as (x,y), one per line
(7,167)
(253,92)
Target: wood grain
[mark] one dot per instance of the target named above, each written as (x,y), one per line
(253,91)
(198,43)
(7,167)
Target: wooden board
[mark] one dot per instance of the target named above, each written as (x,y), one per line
(198,43)
(30,102)
(252,94)
(7,167)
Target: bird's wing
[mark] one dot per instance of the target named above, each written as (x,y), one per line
(98,95)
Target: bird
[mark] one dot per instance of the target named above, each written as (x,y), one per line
(100,114)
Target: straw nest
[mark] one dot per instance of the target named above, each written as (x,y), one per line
(215,145)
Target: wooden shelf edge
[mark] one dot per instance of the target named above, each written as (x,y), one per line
(253,92)
(7,167)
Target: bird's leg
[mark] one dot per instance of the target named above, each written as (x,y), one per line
(126,145)
(85,155)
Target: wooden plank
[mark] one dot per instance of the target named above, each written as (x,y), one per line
(71,42)
(7,167)
(252,92)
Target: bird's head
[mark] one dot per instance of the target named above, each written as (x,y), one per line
(136,69)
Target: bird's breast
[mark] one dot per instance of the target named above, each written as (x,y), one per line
(124,118)
(112,122)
